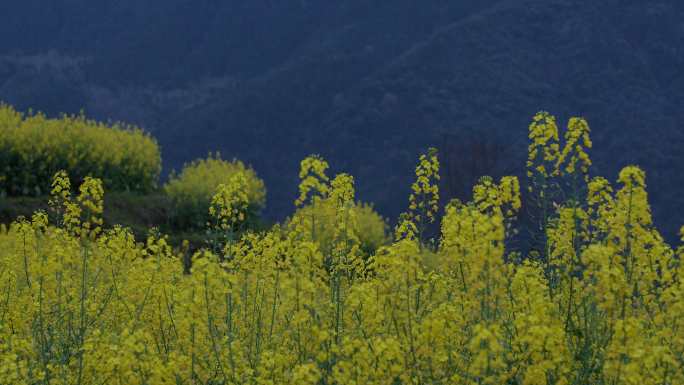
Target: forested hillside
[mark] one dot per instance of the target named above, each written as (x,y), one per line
(368,84)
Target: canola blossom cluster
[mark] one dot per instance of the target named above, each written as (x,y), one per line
(599,301)
(319,213)
(192,190)
(34,147)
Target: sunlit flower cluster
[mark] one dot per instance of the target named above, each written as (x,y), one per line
(34,147)
(191,191)
(574,156)
(327,208)
(230,203)
(544,147)
(424,198)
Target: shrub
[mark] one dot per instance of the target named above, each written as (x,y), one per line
(34,147)
(191,190)
(326,208)
(321,218)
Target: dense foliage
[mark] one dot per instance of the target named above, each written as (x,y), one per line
(600,301)
(33,148)
(192,190)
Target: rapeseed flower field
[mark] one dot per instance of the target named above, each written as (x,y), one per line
(328,298)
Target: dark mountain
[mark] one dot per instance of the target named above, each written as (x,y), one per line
(368,84)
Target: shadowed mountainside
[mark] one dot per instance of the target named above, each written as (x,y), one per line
(366,84)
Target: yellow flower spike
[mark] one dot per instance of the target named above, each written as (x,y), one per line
(39,221)
(509,187)
(600,203)
(346,240)
(313,180)
(486,194)
(91,200)
(564,236)
(544,148)
(342,190)
(405,229)
(230,203)
(61,187)
(424,198)
(631,201)
(574,157)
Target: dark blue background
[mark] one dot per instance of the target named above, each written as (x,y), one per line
(368,84)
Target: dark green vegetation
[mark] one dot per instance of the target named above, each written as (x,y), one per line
(138,212)
(368,84)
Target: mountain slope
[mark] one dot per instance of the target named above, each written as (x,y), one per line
(484,75)
(367,84)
